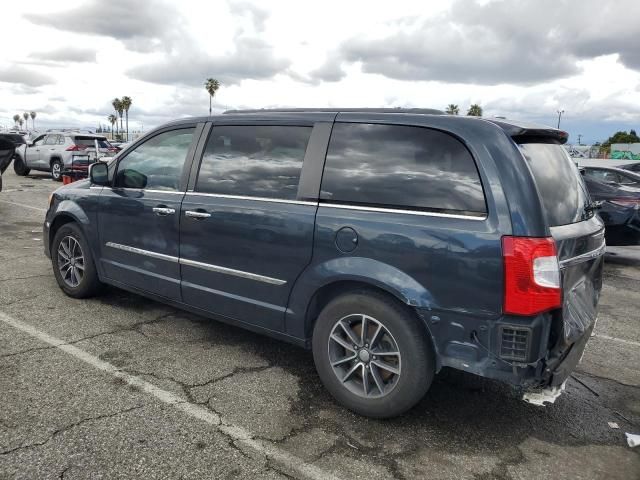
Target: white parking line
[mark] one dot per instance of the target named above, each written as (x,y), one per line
(23,205)
(620,340)
(287,462)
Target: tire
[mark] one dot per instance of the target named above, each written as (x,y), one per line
(56,170)
(0,182)
(85,283)
(388,394)
(19,167)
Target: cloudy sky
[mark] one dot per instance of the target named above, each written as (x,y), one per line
(521,59)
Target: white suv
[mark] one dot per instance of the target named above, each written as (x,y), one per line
(55,151)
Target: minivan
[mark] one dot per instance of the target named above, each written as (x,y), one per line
(391,242)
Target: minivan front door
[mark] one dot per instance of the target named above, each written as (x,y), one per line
(139,218)
(245,236)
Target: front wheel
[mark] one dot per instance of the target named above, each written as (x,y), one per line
(73,264)
(56,170)
(20,167)
(372,354)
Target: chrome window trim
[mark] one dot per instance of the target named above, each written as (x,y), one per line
(140,251)
(399,210)
(173,192)
(584,257)
(258,199)
(193,263)
(231,271)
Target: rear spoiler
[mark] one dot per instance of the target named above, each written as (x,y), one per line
(531,133)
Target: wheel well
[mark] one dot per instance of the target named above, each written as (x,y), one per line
(54,159)
(328,292)
(58,222)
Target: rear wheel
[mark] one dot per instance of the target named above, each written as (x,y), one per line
(73,264)
(20,167)
(372,354)
(56,170)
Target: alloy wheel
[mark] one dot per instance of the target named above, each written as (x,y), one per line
(70,261)
(364,356)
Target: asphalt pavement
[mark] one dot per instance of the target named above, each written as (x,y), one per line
(123,387)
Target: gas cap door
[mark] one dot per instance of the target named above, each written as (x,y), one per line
(346,239)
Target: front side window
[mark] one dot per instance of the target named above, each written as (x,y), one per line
(51,140)
(256,161)
(39,140)
(157,163)
(401,166)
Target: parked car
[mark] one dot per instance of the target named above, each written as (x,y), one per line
(610,175)
(392,243)
(18,141)
(619,209)
(55,151)
(7,151)
(634,167)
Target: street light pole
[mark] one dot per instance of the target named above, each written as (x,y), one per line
(560,112)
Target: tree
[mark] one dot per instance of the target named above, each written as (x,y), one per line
(126,105)
(20,121)
(26,119)
(453,109)
(619,137)
(475,110)
(16,117)
(33,119)
(117,106)
(113,120)
(211,85)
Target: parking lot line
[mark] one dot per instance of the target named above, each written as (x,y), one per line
(23,205)
(288,463)
(621,340)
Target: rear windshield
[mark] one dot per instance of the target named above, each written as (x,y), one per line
(89,142)
(561,187)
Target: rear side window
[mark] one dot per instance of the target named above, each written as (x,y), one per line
(90,142)
(559,182)
(401,166)
(257,161)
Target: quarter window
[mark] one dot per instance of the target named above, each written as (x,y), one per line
(258,161)
(157,163)
(401,166)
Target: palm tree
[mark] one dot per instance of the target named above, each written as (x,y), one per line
(33,119)
(452,109)
(16,117)
(211,85)
(113,120)
(20,121)
(126,105)
(117,106)
(475,110)
(26,119)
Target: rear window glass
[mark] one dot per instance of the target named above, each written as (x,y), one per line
(90,142)
(559,182)
(403,167)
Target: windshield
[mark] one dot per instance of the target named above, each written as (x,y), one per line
(561,187)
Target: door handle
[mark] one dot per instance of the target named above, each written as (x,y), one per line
(197,215)
(162,211)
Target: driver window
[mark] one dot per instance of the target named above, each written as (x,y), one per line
(39,140)
(157,163)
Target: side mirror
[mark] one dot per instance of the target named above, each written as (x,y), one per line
(99,173)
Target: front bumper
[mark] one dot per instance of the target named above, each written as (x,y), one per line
(46,228)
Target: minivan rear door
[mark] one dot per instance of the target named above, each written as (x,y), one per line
(577,231)
(245,235)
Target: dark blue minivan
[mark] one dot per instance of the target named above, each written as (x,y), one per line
(391,242)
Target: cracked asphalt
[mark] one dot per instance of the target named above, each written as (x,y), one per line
(123,387)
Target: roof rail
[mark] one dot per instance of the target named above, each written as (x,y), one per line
(424,111)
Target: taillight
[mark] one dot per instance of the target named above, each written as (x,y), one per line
(626,202)
(113,149)
(76,148)
(531,275)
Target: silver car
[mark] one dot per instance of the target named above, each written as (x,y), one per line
(56,151)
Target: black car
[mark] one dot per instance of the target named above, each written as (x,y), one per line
(392,243)
(7,151)
(632,167)
(620,197)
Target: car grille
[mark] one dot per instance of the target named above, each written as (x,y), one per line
(514,343)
